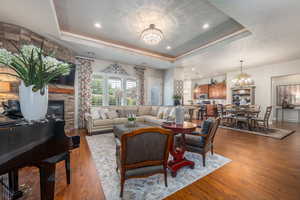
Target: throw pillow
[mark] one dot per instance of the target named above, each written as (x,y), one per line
(130,111)
(95,114)
(112,114)
(103,113)
(166,112)
(160,113)
(172,114)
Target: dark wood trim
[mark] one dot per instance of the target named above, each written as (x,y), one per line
(53,89)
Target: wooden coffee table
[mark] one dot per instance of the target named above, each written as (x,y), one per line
(179,160)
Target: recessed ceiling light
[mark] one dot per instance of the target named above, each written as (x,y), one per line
(205,26)
(97,25)
(168,47)
(193,69)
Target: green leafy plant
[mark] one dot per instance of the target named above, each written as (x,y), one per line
(131,117)
(176,97)
(33,66)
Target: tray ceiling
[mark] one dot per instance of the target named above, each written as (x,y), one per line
(123,21)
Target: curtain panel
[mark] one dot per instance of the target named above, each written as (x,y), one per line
(84,88)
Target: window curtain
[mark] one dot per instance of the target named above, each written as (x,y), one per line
(140,73)
(84,88)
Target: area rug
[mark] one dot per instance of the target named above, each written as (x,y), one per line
(276,133)
(151,188)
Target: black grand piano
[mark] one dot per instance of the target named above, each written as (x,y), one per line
(34,144)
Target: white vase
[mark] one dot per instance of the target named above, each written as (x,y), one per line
(34,105)
(179,115)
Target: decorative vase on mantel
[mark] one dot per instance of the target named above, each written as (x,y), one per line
(33,105)
(35,68)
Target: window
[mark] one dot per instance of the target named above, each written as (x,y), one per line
(131,92)
(115,92)
(97,90)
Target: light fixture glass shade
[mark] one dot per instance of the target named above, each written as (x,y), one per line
(242,79)
(152,35)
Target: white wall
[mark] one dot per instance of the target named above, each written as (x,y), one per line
(262,77)
(169,86)
(153,78)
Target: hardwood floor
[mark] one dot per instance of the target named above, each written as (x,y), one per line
(261,168)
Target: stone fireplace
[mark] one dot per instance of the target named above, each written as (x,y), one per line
(56,108)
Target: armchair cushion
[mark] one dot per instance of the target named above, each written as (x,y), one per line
(144,171)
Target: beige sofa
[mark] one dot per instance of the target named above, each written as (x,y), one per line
(96,123)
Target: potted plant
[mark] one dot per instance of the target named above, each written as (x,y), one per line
(176,99)
(131,119)
(35,68)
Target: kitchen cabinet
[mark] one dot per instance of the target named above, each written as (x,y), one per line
(200,90)
(217,91)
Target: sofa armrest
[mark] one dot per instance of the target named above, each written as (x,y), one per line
(87,116)
(89,122)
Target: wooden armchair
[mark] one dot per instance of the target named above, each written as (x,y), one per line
(142,153)
(202,142)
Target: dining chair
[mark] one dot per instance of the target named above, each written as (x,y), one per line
(143,152)
(263,122)
(256,108)
(201,142)
(228,117)
(202,112)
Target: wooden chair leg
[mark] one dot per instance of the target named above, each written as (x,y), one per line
(68,169)
(165,174)
(203,158)
(122,183)
(212,149)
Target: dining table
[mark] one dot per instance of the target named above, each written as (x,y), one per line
(177,153)
(249,114)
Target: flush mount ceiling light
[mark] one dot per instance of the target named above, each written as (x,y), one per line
(152,35)
(205,26)
(242,79)
(97,25)
(168,47)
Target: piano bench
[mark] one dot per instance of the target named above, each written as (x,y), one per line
(60,157)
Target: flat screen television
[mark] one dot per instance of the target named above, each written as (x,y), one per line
(68,79)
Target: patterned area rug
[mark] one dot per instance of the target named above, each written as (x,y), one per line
(103,152)
(276,133)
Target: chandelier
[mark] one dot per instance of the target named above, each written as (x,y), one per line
(152,35)
(242,79)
